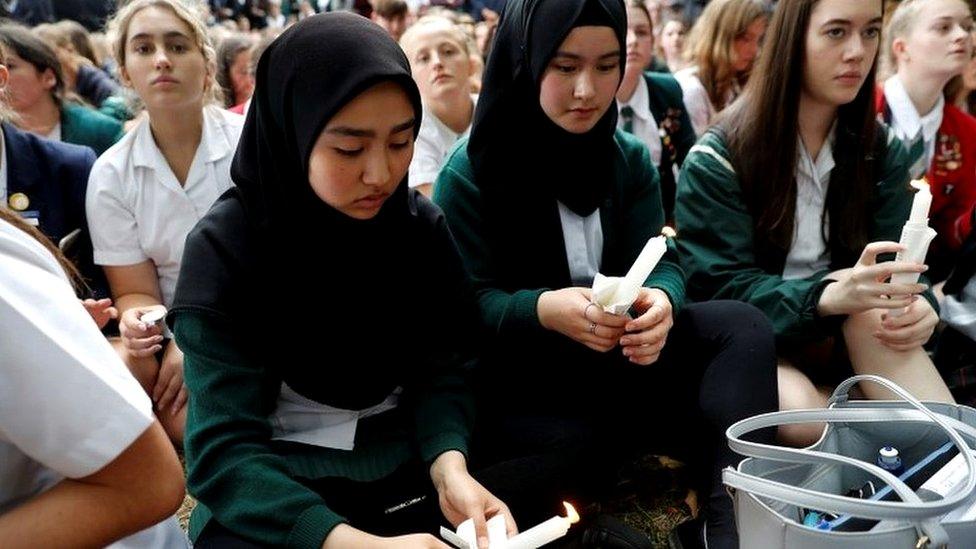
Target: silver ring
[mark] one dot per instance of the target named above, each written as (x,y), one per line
(587,309)
(593,328)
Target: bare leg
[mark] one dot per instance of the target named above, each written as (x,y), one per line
(796,391)
(912,370)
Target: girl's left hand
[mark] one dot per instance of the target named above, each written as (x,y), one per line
(101,311)
(647,334)
(462,497)
(910,330)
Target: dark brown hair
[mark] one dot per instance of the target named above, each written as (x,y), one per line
(762,131)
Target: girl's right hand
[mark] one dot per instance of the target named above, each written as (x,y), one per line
(864,287)
(139,339)
(570,312)
(344,535)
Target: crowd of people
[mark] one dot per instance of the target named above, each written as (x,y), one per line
(339,254)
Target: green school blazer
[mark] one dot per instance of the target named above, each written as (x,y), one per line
(716,241)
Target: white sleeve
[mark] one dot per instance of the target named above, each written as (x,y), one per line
(428,156)
(66,399)
(111,222)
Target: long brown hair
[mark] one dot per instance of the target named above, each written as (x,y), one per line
(710,43)
(762,131)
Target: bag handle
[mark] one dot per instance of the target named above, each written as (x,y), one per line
(911,508)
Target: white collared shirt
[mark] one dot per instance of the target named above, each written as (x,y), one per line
(645,126)
(434,141)
(137,209)
(583,238)
(697,103)
(909,125)
(809,254)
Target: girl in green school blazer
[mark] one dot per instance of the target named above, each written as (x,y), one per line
(794,201)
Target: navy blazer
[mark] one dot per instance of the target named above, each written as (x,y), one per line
(54,177)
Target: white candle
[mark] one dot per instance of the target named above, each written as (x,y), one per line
(916,236)
(921,203)
(649,257)
(544,533)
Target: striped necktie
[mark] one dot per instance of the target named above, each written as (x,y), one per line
(916,152)
(627,114)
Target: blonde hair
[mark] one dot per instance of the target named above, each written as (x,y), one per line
(710,43)
(440,23)
(118,29)
(900,25)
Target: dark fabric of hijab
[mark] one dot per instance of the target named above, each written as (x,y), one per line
(511,129)
(322,294)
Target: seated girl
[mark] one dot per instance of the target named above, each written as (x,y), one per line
(792,202)
(546,194)
(360,440)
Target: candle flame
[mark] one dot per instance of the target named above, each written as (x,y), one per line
(668,232)
(571,515)
(920,184)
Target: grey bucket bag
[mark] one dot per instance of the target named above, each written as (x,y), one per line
(773,487)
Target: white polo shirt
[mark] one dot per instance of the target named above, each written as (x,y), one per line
(68,406)
(137,209)
(433,143)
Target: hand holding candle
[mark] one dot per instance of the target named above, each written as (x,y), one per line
(616,295)
(537,536)
(916,236)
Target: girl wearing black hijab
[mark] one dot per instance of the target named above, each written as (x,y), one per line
(321,413)
(544,195)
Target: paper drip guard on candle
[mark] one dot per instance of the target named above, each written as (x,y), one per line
(916,236)
(616,294)
(537,536)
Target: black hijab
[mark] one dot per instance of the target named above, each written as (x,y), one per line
(289,271)
(304,78)
(511,129)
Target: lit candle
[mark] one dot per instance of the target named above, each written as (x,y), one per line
(921,203)
(544,533)
(916,236)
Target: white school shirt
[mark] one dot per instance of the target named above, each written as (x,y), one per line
(808,253)
(137,209)
(434,141)
(699,106)
(645,126)
(583,238)
(68,406)
(909,126)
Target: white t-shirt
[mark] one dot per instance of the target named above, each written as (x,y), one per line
(645,126)
(809,254)
(137,209)
(433,143)
(68,406)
